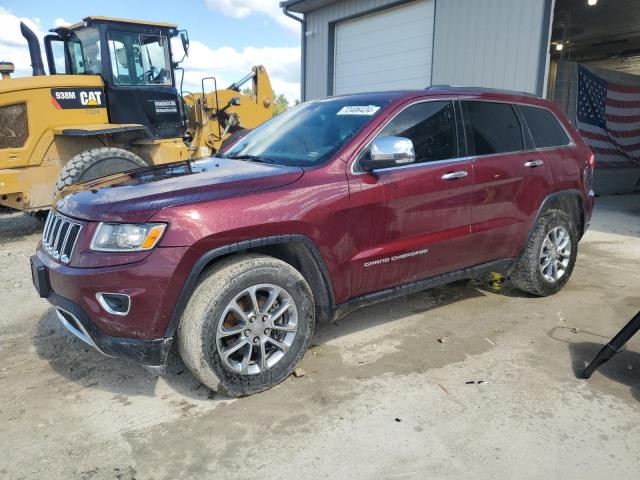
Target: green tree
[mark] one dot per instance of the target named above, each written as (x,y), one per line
(280,104)
(247,91)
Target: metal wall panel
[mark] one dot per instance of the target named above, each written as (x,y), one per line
(491,43)
(320,27)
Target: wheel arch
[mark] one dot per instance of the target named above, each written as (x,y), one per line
(297,250)
(569,201)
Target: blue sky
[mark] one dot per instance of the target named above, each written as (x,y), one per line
(227,36)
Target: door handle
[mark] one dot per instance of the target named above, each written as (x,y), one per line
(455,175)
(534,163)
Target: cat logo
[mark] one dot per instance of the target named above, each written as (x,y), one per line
(91,99)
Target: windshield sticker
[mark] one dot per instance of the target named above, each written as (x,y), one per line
(366,110)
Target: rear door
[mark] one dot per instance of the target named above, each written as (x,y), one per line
(510,178)
(553,142)
(412,222)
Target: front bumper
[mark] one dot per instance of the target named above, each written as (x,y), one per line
(151,354)
(133,337)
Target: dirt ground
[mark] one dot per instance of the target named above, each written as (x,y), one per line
(381,398)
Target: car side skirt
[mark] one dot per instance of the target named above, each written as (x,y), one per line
(503,266)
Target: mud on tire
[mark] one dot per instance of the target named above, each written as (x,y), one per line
(527,275)
(96,163)
(207,318)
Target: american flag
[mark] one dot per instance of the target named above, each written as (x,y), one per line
(609,119)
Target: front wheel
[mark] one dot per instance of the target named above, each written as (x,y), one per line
(548,259)
(247,324)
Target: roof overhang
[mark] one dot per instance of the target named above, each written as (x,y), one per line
(305,6)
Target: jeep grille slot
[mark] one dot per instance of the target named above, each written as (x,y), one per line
(13,126)
(60,236)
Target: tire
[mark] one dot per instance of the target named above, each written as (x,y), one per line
(96,163)
(528,273)
(206,319)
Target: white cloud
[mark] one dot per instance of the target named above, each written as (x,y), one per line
(61,22)
(244,8)
(13,46)
(229,64)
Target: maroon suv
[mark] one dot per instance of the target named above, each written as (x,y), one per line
(334,204)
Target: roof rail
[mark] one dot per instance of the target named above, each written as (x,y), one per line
(480,90)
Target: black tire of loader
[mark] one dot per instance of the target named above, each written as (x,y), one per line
(96,163)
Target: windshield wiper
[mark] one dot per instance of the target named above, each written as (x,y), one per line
(253,158)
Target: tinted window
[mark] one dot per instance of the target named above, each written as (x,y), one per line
(544,127)
(492,128)
(430,126)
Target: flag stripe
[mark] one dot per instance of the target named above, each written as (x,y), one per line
(627,143)
(611,102)
(618,87)
(623,118)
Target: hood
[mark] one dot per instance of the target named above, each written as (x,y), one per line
(136,196)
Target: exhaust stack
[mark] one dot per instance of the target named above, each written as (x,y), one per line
(34,50)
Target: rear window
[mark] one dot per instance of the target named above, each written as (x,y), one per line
(544,127)
(492,127)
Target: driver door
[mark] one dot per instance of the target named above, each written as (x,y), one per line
(141,87)
(413,222)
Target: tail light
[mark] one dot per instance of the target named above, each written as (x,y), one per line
(589,169)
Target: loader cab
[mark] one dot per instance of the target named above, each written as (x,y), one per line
(135,61)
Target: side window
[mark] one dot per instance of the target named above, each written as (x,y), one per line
(430,126)
(492,127)
(56,48)
(544,127)
(77,58)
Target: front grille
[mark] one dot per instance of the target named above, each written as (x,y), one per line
(60,236)
(14,128)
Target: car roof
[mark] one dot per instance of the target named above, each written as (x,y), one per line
(445,90)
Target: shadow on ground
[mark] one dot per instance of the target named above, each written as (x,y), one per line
(72,359)
(623,368)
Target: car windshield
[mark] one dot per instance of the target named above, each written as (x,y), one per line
(307,134)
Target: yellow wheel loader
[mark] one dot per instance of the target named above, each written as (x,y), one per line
(110,104)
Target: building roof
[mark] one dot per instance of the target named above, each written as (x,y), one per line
(304,6)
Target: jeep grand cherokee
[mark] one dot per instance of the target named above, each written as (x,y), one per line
(332,205)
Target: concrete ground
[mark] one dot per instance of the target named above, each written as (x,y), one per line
(381,398)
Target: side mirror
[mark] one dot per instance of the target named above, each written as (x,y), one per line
(388,152)
(184,37)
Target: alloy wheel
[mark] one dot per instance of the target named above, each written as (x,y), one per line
(555,254)
(256,329)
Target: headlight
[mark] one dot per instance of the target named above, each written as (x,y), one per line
(122,237)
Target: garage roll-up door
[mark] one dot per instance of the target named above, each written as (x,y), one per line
(387,50)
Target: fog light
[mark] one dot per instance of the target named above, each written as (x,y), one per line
(114,303)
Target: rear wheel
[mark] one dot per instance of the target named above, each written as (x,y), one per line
(548,260)
(96,163)
(247,324)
